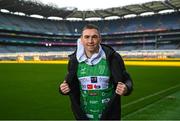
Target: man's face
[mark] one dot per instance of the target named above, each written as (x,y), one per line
(91,39)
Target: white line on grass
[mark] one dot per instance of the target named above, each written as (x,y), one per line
(149,96)
(141,99)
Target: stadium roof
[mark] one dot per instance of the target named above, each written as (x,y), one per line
(38,8)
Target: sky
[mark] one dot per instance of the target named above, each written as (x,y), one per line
(93,4)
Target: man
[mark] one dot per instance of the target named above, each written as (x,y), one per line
(96,79)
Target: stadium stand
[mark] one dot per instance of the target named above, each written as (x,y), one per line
(27,34)
(44,26)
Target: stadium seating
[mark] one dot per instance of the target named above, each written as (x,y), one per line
(36,25)
(27,34)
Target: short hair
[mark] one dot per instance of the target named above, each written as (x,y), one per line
(90,26)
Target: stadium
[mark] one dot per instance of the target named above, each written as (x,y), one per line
(34,54)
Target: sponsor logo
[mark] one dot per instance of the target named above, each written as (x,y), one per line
(103,94)
(105,86)
(83,79)
(93,101)
(97,86)
(83,87)
(104,79)
(94,83)
(89,116)
(94,111)
(89,86)
(83,71)
(93,79)
(105,100)
(93,94)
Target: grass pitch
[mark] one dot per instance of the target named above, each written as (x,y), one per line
(167,108)
(30,91)
(151,83)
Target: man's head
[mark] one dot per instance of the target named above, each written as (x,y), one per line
(91,38)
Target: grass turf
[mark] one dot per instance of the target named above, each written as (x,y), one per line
(167,108)
(151,83)
(30,91)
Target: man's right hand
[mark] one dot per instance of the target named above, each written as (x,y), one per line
(64,87)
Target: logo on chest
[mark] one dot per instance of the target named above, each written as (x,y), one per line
(93,79)
(94,83)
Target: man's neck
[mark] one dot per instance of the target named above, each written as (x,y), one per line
(90,54)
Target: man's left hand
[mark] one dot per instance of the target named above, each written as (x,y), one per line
(121,89)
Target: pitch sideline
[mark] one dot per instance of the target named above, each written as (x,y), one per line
(129,63)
